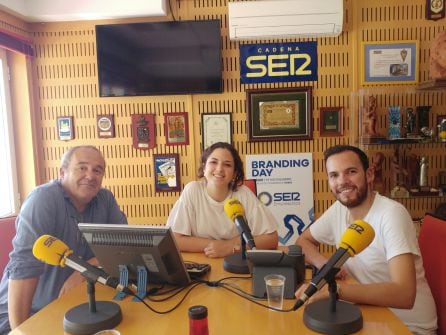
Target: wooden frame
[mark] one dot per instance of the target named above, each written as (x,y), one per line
(176,127)
(105,125)
(166,172)
(65,128)
(215,127)
(331,121)
(390,62)
(279,114)
(143,130)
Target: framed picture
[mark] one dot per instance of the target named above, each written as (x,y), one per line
(105,126)
(167,174)
(215,127)
(176,128)
(65,129)
(331,121)
(143,131)
(279,114)
(390,62)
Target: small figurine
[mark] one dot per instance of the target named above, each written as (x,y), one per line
(398,172)
(423,172)
(378,182)
(371,117)
(410,123)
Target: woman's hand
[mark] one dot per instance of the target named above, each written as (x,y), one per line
(219,248)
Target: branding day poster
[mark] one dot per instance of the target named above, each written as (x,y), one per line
(285,186)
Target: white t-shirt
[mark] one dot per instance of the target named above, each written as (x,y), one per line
(394,235)
(196,214)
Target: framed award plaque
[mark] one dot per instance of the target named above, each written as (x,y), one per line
(331,121)
(143,131)
(279,114)
(65,129)
(105,126)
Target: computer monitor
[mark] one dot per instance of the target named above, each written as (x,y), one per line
(137,245)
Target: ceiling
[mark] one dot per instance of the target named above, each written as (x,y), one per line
(81,10)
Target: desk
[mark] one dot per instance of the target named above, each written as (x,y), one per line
(228,313)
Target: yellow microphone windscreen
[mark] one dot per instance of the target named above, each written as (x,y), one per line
(50,250)
(357,237)
(233,208)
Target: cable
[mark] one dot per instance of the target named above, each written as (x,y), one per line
(170,7)
(246,296)
(191,287)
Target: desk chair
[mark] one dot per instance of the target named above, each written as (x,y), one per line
(7,232)
(432,241)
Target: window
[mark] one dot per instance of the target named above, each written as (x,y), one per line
(8,175)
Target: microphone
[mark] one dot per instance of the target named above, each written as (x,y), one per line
(355,239)
(53,251)
(234,210)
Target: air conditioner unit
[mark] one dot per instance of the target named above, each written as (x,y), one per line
(285,19)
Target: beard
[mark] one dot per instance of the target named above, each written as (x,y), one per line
(360,197)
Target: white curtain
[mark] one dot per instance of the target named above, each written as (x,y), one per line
(8,180)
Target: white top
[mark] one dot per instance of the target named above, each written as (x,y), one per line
(394,235)
(196,214)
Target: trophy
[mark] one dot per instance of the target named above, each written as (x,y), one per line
(398,172)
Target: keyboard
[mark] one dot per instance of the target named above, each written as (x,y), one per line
(197,269)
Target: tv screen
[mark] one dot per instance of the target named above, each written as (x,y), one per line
(178,57)
(137,245)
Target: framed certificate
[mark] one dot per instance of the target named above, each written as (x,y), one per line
(167,174)
(279,114)
(390,62)
(215,127)
(331,121)
(176,128)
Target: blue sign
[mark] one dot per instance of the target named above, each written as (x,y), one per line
(278,62)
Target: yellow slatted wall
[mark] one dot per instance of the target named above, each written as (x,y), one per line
(67,78)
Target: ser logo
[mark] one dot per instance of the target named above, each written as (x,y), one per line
(283,197)
(278,62)
(356,227)
(286,196)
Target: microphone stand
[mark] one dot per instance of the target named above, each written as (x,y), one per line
(91,317)
(331,316)
(237,263)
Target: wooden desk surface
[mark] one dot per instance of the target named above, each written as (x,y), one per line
(228,313)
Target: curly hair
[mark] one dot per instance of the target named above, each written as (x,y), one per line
(239,175)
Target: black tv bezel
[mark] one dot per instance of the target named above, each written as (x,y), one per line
(185,90)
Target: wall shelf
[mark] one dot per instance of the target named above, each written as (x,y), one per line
(432,85)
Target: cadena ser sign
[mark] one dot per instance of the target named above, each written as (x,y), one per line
(278,62)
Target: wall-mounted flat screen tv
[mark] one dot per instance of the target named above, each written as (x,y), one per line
(155,58)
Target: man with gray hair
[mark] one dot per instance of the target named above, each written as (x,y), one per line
(55,208)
